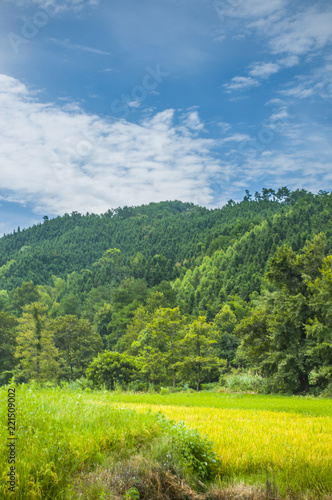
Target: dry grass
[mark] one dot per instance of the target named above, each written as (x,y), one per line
(154,483)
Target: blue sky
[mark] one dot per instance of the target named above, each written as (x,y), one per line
(120,102)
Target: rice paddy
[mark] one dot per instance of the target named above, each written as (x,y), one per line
(293,448)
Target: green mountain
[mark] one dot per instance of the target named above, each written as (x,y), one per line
(147,281)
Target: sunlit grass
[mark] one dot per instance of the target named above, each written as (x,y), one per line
(58,433)
(272,402)
(295,447)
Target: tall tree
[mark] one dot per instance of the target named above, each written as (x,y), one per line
(278,336)
(199,353)
(36,352)
(77,344)
(7,346)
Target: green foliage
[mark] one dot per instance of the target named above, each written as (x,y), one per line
(283,336)
(7,346)
(63,432)
(195,452)
(191,293)
(244,382)
(304,405)
(110,368)
(198,351)
(24,295)
(131,494)
(77,344)
(36,352)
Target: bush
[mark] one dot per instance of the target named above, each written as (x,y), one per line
(244,382)
(208,387)
(193,451)
(110,368)
(327,393)
(137,386)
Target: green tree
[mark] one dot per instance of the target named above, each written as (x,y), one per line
(77,344)
(227,341)
(279,334)
(70,304)
(199,359)
(23,295)
(36,352)
(109,368)
(4,300)
(319,328)
(125,300)
(7,346)
(166,330)
(102,321)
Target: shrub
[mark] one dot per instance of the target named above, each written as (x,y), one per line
(137,386)
(243,382)
(194,452)
(110,368)
(208,387)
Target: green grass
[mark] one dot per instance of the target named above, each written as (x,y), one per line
(59,432)
(62,433)
(295,404)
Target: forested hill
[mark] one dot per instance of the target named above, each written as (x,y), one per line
(173,293)
(160,241)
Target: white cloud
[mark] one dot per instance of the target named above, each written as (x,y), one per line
(318,83)
(288,31)
(224,126)
(67,44)
(296,154)
(241,83)
(264,70)
(56,5)
(260,70)
(289,61)
(63,159)
(236,138)
(303,32)
(248,8)
(134,104)
(278,118)
(193,122)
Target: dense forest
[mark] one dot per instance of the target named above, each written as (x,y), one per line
(173,294)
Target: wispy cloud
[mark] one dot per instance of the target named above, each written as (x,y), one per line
(249,8)
(290,31)
(62,5)
(317,83)
(264,70)
(67,44)
(303,32)
(241,83)
(236,138)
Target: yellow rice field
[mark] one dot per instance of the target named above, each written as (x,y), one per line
(296,447)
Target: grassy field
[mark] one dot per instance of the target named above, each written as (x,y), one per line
(59,433)
(72,444)
(288,437)
(65,435)
(295,404)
